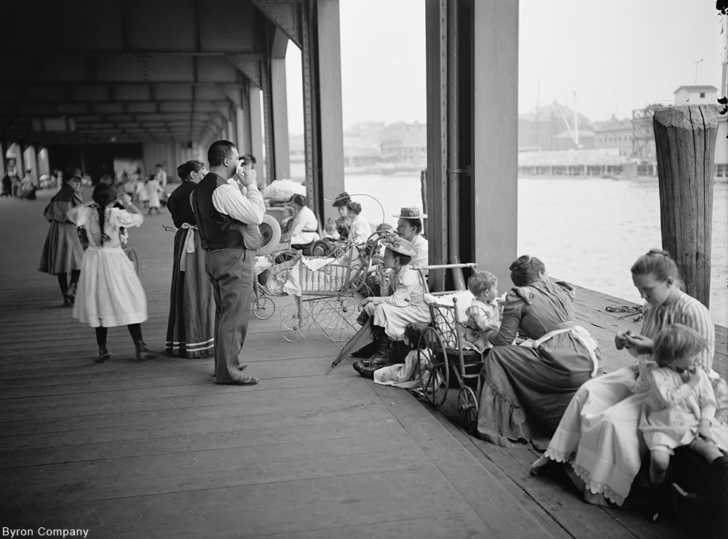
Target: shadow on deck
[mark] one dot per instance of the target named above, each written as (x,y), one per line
(155,449)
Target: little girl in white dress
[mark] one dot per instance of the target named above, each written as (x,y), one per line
(680,407)
(483,314)
(109,291)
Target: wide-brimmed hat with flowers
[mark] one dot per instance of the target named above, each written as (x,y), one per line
(400,246)
(411,213)
(342,199)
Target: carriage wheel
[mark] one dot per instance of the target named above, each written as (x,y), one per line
(291,323)
(336,317)
(468,406)
(263,307)
(433,368)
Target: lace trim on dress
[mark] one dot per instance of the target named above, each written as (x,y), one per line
(597,488)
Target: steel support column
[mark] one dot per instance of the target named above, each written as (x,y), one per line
(436,73)
(495,120)
(472,59)
(323,133)
(279,105)
(256,131)
(242,131)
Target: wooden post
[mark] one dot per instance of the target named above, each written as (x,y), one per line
(685,142)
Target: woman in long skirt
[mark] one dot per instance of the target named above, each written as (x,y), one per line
(62,251)
(527,387)
(191,325)
(109,291)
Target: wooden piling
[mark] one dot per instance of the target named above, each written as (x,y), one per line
(685,138)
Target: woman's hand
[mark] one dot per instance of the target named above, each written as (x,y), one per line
(621,339)
(640,343)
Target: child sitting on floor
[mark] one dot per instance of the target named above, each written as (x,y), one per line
(680,406)
(483,314)
(405,375)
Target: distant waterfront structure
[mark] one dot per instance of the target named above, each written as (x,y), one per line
(614,133)
(696,95)
(602,162)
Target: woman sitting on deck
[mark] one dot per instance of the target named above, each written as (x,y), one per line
(303,225)
(527,387)
(387,316)
(598,435)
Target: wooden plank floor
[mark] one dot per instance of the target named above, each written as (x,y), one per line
(155,449)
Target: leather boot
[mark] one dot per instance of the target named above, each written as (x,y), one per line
(382,348)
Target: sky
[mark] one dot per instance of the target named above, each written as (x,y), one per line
(615,56)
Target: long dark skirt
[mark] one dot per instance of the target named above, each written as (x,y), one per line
(62,251)
(526,390)
(191,325)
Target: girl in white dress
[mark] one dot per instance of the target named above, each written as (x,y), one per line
(680,406)
(109,292)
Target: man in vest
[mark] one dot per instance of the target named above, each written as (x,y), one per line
(228,222)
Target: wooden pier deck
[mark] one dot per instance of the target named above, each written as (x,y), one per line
(155,449)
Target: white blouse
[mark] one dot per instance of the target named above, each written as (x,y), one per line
(87,216)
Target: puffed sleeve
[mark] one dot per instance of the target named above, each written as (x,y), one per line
(697,316)
(124,218)
(79,215)
(512,313)
(706,399)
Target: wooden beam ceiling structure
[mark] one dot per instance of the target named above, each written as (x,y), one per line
(176,71)
(137,71)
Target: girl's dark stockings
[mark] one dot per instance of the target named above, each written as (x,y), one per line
(135,330)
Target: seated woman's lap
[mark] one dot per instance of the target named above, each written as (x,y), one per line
(542,389)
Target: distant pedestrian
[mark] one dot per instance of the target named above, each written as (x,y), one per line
(109,291)
(191,324)
(7,186)
(228,222)
(161,175)
(27,186)
(62,251)
(153,191)
(142,194)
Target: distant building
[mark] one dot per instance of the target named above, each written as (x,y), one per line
(405,143)
(547,128)
(614,133)
(361,151)
(696,95)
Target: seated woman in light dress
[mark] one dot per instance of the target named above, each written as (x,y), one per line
(304,225)
(389,315)
(359,230)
